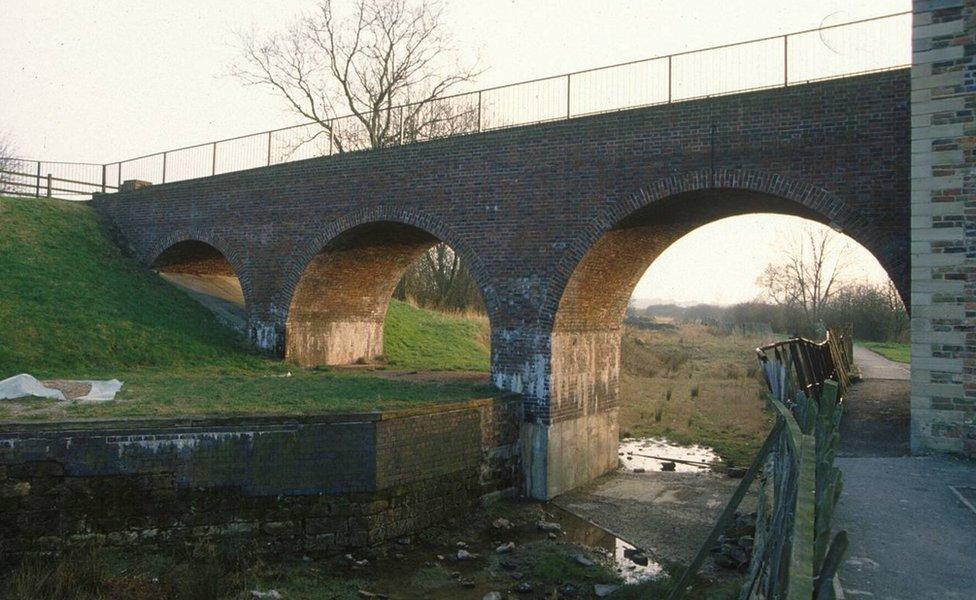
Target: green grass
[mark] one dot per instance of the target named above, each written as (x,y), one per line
(73,306)
(895,351)
(421,339)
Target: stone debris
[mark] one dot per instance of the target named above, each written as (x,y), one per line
(523,588)
(501,523)
(492,596)
(549,527)
(268,595)
(734,547)
(602,590)
(580,559)
(505,548)
(465,555)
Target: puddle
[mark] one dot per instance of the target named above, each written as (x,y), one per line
(638,455)
(622,557)
(428,566)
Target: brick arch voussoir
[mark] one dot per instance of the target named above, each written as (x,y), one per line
(303,255)
(817,199)
(230,250)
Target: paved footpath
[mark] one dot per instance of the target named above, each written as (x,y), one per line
(875,366)
(911,537)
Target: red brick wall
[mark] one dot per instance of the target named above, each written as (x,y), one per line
(524,207)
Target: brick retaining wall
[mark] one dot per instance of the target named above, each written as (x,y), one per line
(317,484)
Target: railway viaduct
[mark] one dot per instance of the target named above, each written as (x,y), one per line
(556,221)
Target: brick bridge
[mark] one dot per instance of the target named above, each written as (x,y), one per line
(556,221)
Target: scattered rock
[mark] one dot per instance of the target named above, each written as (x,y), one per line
(440,557)
(549,527)
(639,470)
(492,596)
(404,541)
(523,588)
(552,536)
(501,523)
(668,466)
(372,595)
(603,590)
(580,559)
(465,555)
(466,583)
(505,548)
(268,595)
(517,576)
(736,472)
(462,545)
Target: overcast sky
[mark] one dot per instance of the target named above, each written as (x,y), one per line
(100,81)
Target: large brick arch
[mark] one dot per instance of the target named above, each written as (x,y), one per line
(730,192)
(234,257)
(333,301)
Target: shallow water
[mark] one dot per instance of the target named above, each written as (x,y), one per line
(396,573)
(650,454)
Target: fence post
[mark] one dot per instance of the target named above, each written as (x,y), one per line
(669,79)
(37,181)
(786,61)
(213,166)
(401,125)
(568,79)
(269,148)
(119,173)
(104,177)
(48,185)
(164,166)
(479,111)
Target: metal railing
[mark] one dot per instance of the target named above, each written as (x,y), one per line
(47,179)
(857,47)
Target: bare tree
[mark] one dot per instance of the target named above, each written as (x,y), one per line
(369,62)
(7,163)
(440,280)
(810,272)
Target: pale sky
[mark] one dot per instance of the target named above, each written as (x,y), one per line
(104,80)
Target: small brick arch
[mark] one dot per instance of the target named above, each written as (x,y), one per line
(336,289)
(229,251)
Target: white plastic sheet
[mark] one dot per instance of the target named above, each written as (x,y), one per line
(24,385)
(102,390)
(27,386)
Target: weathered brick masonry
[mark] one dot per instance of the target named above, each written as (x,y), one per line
(556,221)
(305,484)
(943,233)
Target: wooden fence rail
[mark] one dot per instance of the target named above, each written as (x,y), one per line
(794,555)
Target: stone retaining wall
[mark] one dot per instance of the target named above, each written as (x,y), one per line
(316,484)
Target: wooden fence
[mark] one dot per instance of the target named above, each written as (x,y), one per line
(794,554)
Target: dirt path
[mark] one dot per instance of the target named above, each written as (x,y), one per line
(875,366)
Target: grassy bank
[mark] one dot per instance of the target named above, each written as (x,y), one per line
(693,384)
(72,306)
(895,351)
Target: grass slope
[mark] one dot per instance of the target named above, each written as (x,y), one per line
(72,306)
(421,339)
